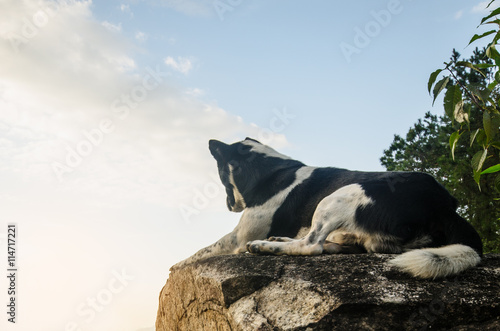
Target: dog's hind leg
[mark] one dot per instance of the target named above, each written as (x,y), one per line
(253,225)
(338,210)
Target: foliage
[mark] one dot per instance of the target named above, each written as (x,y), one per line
(426,148)
(473,103)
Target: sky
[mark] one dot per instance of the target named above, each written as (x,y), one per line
(106,109)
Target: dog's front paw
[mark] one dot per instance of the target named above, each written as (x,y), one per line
(265,247)
(254,247)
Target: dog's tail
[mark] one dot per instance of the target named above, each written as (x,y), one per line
(437,262)
(464,251)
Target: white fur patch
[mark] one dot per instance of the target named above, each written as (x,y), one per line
(239,202)
(338,210)
(265,150)
(437,262)
(256,221)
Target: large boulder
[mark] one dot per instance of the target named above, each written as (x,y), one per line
(326,292)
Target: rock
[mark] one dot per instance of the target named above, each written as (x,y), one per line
(326,292)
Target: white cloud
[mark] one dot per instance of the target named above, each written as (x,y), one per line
(141,36)
(122,63)
(480,7)
(182,64)
(126,9)
(112,27)
(194,92)
(459,14)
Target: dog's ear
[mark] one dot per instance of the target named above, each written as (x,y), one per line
(217,148)
(247,138)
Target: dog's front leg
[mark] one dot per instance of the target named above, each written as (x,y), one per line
(253,225)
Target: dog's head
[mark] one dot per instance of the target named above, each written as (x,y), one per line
(245,165)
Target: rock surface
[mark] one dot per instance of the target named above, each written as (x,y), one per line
(326,292)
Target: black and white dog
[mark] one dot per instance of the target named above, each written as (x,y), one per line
(308,211)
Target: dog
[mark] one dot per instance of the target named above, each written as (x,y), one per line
(305,210)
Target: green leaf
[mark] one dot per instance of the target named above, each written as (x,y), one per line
(479,91)
(476,36)
(481,138)
(469,65)
(439,87)
(491,124)
(492,169)
(487,125)
(497,22)
(452,97)
(492,53)
(496,184)
(477,177)
(432,79)
(477,165)
(495,144)
(495,124)
(453,142)
(484,65)
(493,13)
(473,136)
(478,160)
(492,85)
(490,3)
(497,36)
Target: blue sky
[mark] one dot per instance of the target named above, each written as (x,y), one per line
(106,109)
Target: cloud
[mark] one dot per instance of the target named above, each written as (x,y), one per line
(194,92)
(141,36)
(112,27)
(182,64)
(126,9)
(80,115)
(459,14)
